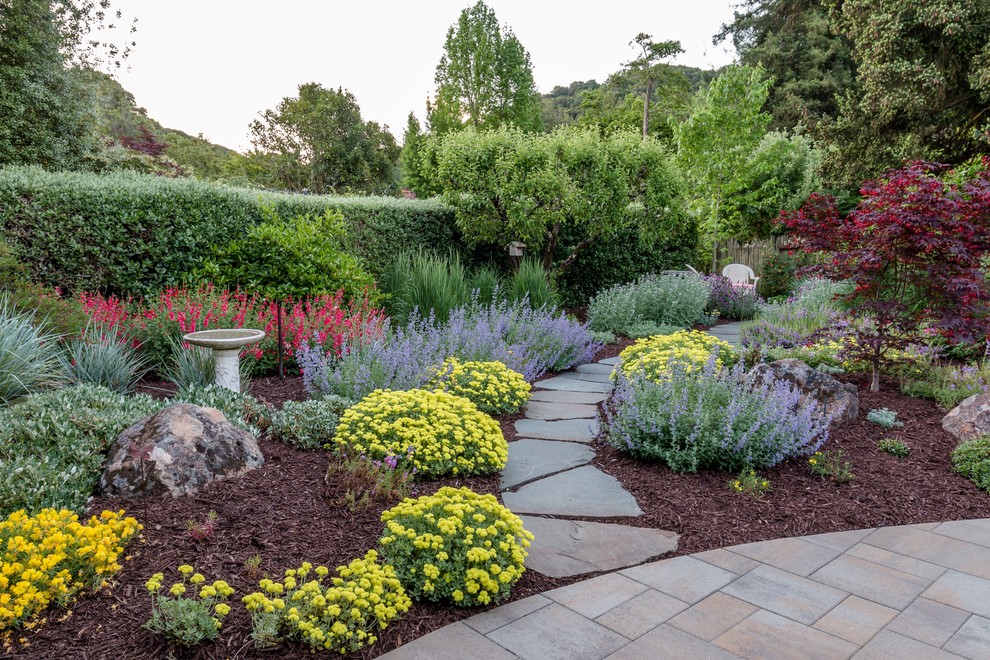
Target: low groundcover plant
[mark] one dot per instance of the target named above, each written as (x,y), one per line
(492,386)
(455,546)
(446,433)
(188,620)
(654,357)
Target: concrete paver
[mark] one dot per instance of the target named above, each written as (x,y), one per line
(881,584)
(666,642)
(684,578)
(637,616)
(972,640)
(555,633)
(888,645)
(799,598)
(769,635)
(856,620)
(929,621)
(713,616)
(966,592)
(793,555)
(607,592)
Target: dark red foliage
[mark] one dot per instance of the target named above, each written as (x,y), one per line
(912,248)
(145,143)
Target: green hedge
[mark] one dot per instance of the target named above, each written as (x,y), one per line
(132,234)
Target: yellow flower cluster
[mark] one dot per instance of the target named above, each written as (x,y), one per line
(653,357)
(446,433)
(48,557)
(750,482)
(492,386)
(338,617)
(455,545)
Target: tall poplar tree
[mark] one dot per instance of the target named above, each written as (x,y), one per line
(484,79)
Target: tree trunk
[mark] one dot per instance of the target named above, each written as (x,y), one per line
(569,261)
(646,108)
(551,247)
(875,384)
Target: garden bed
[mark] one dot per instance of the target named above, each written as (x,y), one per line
(285,512)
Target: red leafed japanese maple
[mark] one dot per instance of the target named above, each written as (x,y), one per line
(913,249)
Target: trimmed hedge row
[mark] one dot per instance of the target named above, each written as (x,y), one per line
(134,234)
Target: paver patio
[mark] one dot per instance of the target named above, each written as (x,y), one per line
(866,602)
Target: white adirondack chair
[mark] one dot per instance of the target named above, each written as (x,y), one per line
(741,275)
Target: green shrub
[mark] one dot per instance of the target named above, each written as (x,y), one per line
(241,410)
(455,546)
(484,283)
(894,447)
(188,620)
(778,275)
(128,233)
(447,433)
(52,444)
(102,357)
(309,424)
(492,386)
(29,356)
(971,459)
(664,300)
(645,329)
(947,384)
(298,256)
(602,337)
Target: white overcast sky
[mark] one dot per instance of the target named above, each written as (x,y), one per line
(210,66)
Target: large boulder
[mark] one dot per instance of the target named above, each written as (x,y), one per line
(835,398)
(178,451)
(970,419)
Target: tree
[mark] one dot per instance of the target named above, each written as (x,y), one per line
(41,111)
(924,85)
(321,144)
(914,249)
(484,79)
(718,138)
(650,67)
(506,185)
(413,176)
(793,41)
(562,106)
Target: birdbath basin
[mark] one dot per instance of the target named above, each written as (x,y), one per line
(226,346)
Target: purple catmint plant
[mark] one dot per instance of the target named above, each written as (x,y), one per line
(733,302)
(763,336)
(530,341)
(711,419)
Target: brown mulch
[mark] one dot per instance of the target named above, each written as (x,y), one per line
(286,513)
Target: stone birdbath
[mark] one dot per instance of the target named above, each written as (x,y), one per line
(226,346)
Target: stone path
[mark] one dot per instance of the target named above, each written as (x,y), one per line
(728,332)
(549,478)
(917,591)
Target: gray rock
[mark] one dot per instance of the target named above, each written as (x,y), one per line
(571,430)
(178,451)
(532,459)
(572,547)
(585,491)
(838,399)
(970,419)
(548,410)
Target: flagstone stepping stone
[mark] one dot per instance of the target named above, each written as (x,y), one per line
(532,459)
(591,378)
(585,491)
(612,360)
(549,410)
(563,548)
(572,385)
(594,368)
(572,430)
(562,396)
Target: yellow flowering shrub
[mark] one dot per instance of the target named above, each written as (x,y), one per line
(492,386)
(340,616)
(652,358)
(446,434)
(48,557)
(192,612)
(456,546)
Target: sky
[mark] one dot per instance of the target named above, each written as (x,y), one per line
(211,66)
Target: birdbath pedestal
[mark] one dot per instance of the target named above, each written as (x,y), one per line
(226,346)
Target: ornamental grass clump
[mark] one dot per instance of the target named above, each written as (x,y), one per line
(455,546)
(710,418)
(446,434)
(341,616)
(29,356)
(188,620)
(102,357)
(654,357)
(47,558)
(492,386)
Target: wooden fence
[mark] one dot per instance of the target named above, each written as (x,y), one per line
(752,254)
